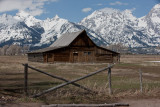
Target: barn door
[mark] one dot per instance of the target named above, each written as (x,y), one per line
(45,57)
(88,56)
(49,57)
(75,56)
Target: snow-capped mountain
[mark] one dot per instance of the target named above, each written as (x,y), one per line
(150,24)
(27,18)
(105,26)
(24,29)
(117,26)
(57,26)
(13,31)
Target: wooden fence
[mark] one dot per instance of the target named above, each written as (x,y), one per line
(67,82)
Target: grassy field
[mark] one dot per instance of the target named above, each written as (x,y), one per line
(125,80)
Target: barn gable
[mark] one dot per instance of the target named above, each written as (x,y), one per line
(82,40)
(79,38)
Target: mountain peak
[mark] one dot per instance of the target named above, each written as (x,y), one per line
(56,16)
(27,18)
(7,19)
(128,14)
(6,16)
(109,10)
(153,17)
(157,6)
(22,14)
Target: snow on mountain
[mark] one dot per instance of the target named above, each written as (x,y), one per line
(117,26)
(154,14)
(150,25)
(57,26)
(104,26)
(24,29)
(54,28)
(16,31)
(27,18)
(113,25)
(152,20)
(7,20)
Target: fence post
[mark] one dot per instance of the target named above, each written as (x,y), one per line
(109,80)
(141,84)
(26,79)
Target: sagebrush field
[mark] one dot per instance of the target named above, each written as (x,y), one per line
(125,80)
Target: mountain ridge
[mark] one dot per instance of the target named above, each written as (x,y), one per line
(105,26)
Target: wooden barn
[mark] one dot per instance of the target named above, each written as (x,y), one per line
(74,47)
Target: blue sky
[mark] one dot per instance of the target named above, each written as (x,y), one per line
(73,10)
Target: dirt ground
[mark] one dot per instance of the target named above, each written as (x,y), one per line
(22,105)
(142,102)
(131,102)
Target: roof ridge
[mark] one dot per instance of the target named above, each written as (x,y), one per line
(66,39)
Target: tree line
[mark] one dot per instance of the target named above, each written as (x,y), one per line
(22,50)
(119,47)
(14,50)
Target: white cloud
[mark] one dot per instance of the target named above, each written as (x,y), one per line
(34,7)
(35,12)
(118,3)
(86,10)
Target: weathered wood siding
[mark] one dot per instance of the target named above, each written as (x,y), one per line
(61,56)
(102,55)
(82,41)
(82,55)
(35,57)
(48,57)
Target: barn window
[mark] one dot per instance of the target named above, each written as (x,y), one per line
(87,53)
(75,56)
(75,53)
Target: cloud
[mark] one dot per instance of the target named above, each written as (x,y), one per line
(118,3)
(34,7)
(86,10)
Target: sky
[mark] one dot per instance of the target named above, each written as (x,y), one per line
(73,10)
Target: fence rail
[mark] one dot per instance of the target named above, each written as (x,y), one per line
(26,66)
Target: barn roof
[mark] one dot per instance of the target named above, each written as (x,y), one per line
(66,39)
(102,47)
(45,49)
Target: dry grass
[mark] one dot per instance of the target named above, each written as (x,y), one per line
(125,80)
